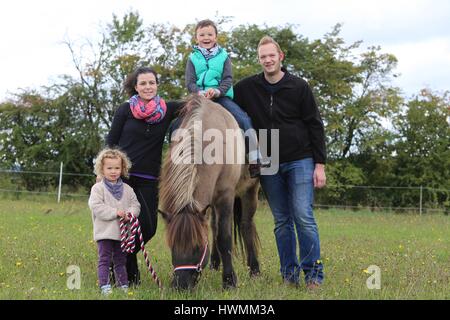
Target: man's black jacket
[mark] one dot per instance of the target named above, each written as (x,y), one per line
(288,106)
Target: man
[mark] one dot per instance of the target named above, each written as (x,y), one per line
(276,99)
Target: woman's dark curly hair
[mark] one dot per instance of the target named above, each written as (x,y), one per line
(131,80)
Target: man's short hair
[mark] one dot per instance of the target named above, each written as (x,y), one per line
(266,40)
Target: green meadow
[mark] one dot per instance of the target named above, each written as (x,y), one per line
(40,239)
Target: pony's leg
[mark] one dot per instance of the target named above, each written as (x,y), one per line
(215,256)
(224,210)
(249,203)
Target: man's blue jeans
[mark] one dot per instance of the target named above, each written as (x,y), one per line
(290,194)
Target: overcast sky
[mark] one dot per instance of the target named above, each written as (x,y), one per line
(417,32)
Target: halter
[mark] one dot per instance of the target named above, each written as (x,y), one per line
(196,267)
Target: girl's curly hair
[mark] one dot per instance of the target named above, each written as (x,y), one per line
(112,153)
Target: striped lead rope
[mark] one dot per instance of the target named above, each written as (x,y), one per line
(128,231)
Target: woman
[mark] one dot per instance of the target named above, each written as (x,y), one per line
(139,128)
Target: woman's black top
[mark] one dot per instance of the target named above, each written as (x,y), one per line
(141,141)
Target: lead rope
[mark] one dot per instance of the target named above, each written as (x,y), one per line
(128,241)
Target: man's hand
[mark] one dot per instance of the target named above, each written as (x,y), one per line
(319,176)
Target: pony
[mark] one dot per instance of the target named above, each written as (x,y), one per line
(193,187)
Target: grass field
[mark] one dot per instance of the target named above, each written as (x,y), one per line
(40,239)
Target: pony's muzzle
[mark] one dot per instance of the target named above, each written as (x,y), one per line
(185,279)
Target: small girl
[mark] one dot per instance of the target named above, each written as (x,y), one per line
(110,200)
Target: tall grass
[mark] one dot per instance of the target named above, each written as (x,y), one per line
(40,239)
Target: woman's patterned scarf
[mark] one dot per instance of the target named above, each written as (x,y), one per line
(208,53)
(152,112)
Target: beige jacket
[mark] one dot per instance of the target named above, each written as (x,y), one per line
(104,209)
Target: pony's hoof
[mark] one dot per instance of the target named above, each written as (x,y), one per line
(230,282)
(214,266)
(255,273)
(215,262)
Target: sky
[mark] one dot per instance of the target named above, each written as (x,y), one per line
(417,32)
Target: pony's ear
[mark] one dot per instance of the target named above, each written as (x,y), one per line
(164,215)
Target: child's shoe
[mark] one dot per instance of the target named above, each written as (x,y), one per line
(124,288)
(265,163)
(255,168)
(106,289)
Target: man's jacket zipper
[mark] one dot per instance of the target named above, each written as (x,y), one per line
(271,110)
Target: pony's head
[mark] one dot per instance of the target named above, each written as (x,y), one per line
(187,237)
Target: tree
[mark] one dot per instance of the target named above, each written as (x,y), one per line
(374,135)
(353,92)
(27,139)
(423,146)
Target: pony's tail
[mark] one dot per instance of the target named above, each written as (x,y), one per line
(237,222)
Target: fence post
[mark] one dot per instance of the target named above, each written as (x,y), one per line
(420,205)
(60,182)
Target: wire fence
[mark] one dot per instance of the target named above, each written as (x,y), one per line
(417,199)
(420,199)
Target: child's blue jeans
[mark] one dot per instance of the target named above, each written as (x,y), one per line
(244,122)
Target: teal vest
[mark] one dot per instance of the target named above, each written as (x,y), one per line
(209,73)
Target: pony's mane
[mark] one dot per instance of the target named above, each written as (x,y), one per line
(179,181)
